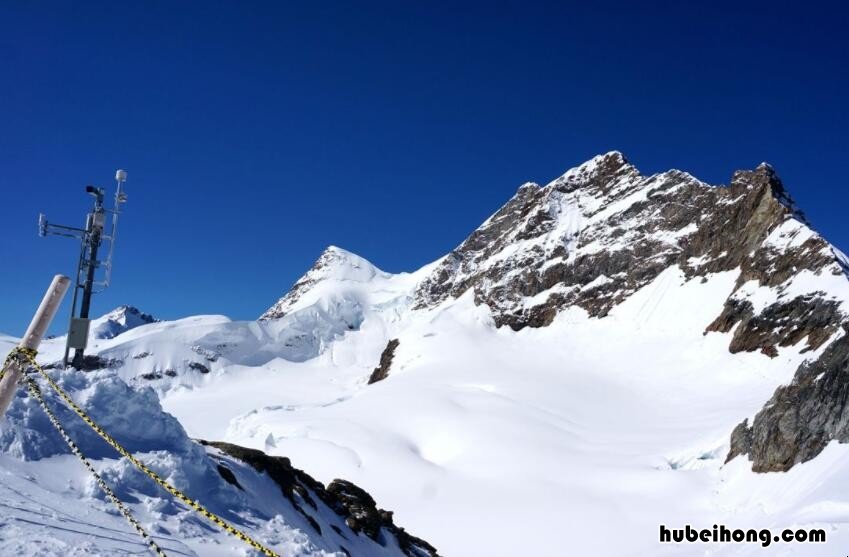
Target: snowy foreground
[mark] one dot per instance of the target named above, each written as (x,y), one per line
(53,507)
(581,437)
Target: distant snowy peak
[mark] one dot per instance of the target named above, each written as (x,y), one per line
(335,265)
(338,264)
(119,320)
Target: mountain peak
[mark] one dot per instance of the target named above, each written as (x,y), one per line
(765,177)
(336,250)
(119,320)
(124,312)
(334,264)
(613,157)
(604,168)
(527,187)
(341,264)
(764,173)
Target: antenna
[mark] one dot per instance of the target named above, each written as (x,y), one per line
(91,237)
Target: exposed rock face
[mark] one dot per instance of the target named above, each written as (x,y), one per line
(363,515)
(781,324)
(801,418)
(381,372)
(357,507)
(601,231)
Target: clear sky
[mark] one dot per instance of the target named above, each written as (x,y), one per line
(255,134)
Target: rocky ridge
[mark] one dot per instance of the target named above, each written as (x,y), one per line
(352,503)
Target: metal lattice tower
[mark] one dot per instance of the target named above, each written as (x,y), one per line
(92,238)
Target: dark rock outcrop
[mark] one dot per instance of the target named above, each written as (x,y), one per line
(199,367)
(363,515)
(228,476)
(156,374)
(93,362)
(808,317)
(801,418)
(353,504)
(381,372)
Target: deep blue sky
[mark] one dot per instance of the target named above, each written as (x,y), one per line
(255,134)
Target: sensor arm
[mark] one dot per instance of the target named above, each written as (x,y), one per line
(60,230)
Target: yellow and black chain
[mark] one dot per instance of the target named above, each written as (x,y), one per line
(16,353)
(195,505)
(36,394)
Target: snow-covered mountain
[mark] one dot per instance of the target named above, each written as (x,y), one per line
(602,232)
(118,321)
(605,354)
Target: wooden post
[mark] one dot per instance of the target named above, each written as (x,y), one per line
(32,338)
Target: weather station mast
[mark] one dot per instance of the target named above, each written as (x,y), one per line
(92,238)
